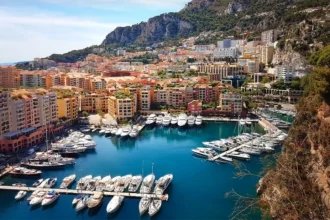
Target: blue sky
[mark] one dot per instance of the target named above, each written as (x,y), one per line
(38,28)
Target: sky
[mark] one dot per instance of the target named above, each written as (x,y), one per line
(39,28)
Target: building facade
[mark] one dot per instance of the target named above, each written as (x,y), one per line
(9,77)
(231,102)
(195,107)
(122,108)
(68,108)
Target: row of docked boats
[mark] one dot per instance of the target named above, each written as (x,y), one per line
(246,144)
(276,121)
(245,122)
(282,112)
(127,131)
(168,120)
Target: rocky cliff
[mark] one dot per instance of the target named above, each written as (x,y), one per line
(298,187)
(160,28)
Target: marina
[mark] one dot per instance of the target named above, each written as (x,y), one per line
(155,145)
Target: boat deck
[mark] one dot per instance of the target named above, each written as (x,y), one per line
(75,192)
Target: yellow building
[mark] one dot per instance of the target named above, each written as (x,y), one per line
(68,108)
(231,102)
(93,102)
(122,106)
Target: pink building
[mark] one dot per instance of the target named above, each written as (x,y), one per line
(195,107)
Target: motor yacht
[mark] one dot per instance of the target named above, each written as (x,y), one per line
(159,120)
(126,131)
(119,131)
(92,183)
(134,132)
(174,120)
(48,183)
(199,120)
(249,150)
(51,197)
(103,183)
(95,200)
(37,199)
(151,119)
(83,182)
(144,205)
(107,131)
(20,195)
(37,183)
(182,120)
(191,120)
(147,183)
(114,204)
(111,185)
(242,122)
(225,159)
(67,181)
(248,121)
(102,131)
(154,207)
(82,203)
(114,131)
(238,155)
(205,152)
(88,137)
(44,165)
(135,183)
(22,171)
(77,198)
(167,120)
(120,185)
(19,184)
(162,184)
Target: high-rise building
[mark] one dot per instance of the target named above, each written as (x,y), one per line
(68,108)
(231,102)
(284,72)
(269,36)
(9,77)
(122,106)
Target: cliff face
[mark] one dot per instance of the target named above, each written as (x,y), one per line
(298,187)
(160,28)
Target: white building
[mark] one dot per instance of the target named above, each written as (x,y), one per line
(284,72)
(253,66)
(227,43)
(225,52)
(30,79)
(270,36)
(121,52)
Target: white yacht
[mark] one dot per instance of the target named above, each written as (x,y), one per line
(248,150)
(159,120)
(162,184)
(182,120)
(111,185)
(199,120)
(83,182)
(191,120)
(67,181)
(92,183)
(167,120)
(147,183)
(174,120)
(95,200)
(37,183)
(144,205)
(114,204)
(135,183)
(103,183)
(123,183)
(205,152)
(114,131)
(82,203)
(88,137)
(37,199)
(108,131)
(77,198)
(51,197)
(242,122)
(48,183)
(238,155)
(119,131)
(248,121)
(154,207)
(134,132)
(151,119)
(125,132)
(20,195)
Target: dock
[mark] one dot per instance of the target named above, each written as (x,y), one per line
(75,192)
(6,171)
(221,119)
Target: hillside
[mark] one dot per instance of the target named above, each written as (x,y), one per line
(225,17)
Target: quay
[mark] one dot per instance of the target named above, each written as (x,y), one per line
(220,119)
(267,125)
(75,192)
(7,170)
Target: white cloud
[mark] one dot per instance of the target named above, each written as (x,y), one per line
(25,35)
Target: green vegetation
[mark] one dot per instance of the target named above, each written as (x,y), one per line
(72,56)
(123,95)
(265,80)
(84,114)
(294,85)
(321,58)
(210,105)
(100,113)
(24,66)
(63,93)
(147,58)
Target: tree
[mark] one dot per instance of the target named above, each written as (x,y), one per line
(321,58)
(295,84)
(84,114)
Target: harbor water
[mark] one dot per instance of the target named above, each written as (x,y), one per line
(196,192)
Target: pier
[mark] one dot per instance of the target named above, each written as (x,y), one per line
(75,192)
(221,119)
(6,171)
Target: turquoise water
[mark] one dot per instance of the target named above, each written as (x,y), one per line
(197,190)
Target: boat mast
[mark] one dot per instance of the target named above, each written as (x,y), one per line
(47,137)
(152,168)
(142,167)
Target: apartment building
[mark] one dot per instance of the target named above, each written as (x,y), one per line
(68,108)
(284,72)
(145,99)
(24,117)
(269,36)
(91,103)
(195,107)
(122,106)
(177,97)
(9,77)
(231,102)
(231,52)
(267,53)
(204,93)
(160,97)
(31,79)
(219,71)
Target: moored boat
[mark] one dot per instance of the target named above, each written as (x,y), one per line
(114,204)
(37,183)
(147,183)
(82,203)
(154,207)
(22,171)
(135,183)
(20,195)
(67,181)
(95,200)
(37,199)
(51,197)
(144,205)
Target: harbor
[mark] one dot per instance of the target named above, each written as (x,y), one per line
(155,144)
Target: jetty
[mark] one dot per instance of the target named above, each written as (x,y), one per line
(75,192)
(7,170)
